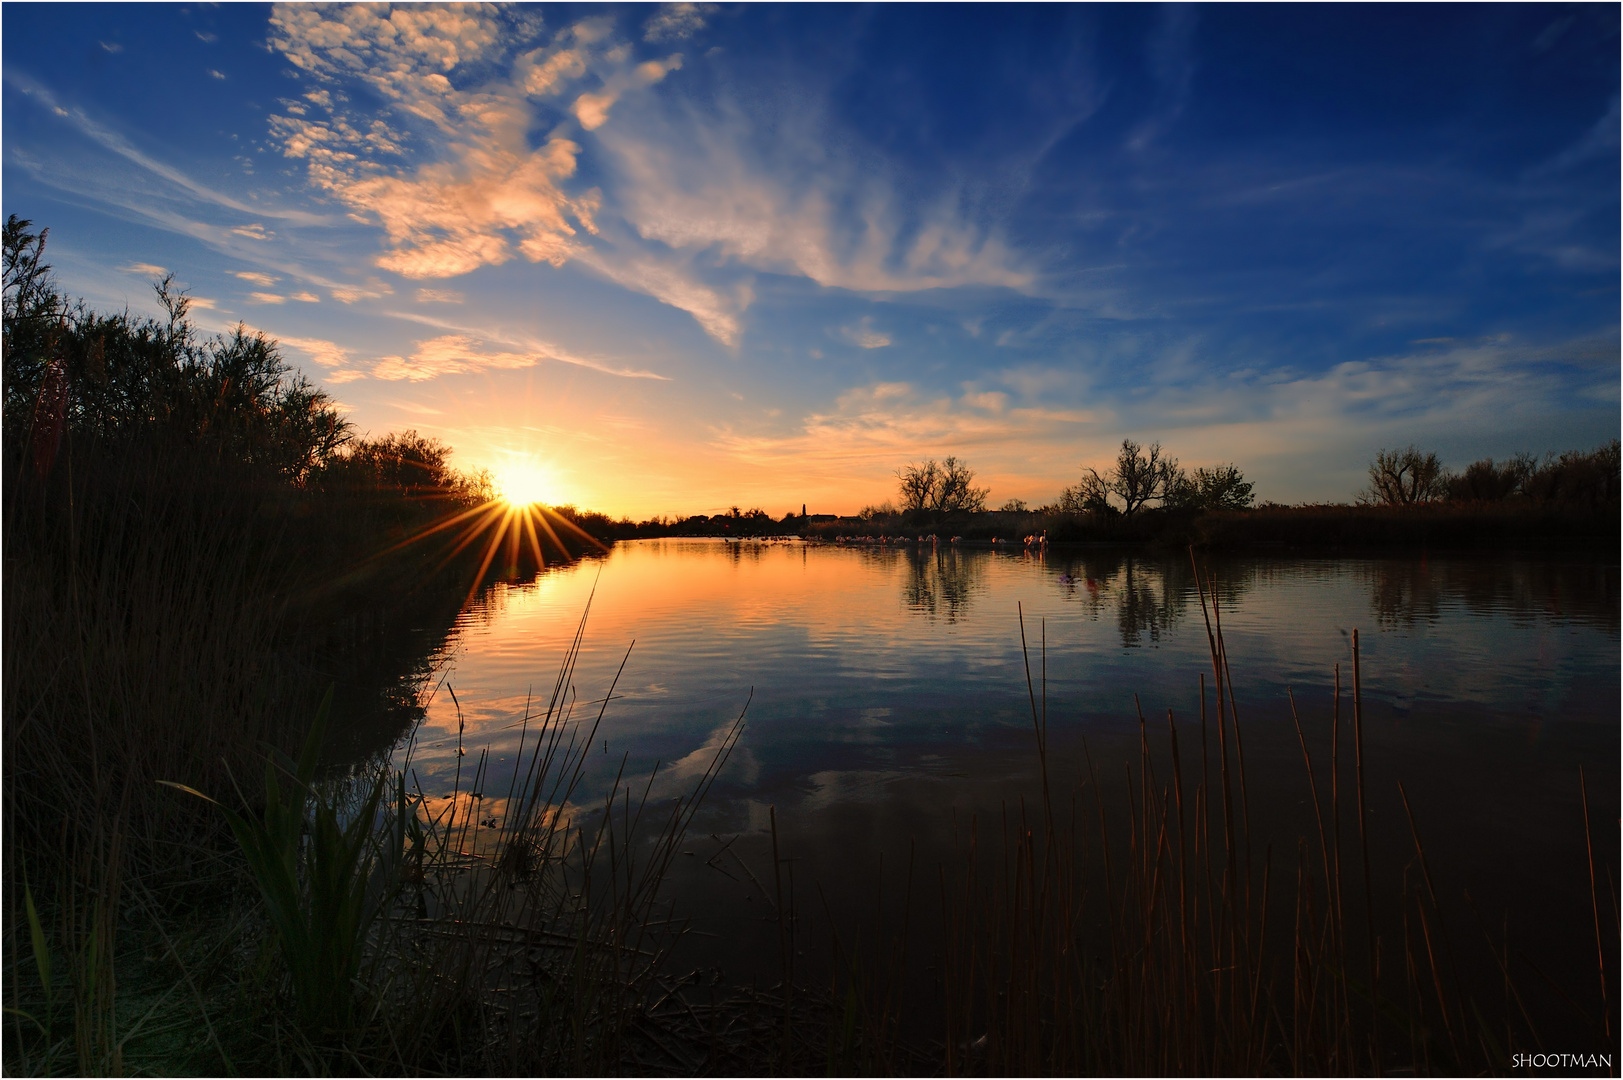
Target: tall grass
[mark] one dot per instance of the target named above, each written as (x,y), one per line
(1160,935)
(530,930)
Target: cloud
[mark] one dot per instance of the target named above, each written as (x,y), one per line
(881,424)
(1551,34)
(452,354)
(326,353)
(305,297)
(592,109)
(670,280)
(464,350)
(144,269)
(863,335)
(349,294)
(111,46)
(708,183)
(439,296)
(253,232)
(491,196)
(266,298)
(1599,142)
(116,143)
(552,74)
(216,74)
(449,167)
(673,22)
(258,278)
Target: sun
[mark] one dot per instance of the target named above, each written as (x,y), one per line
(523,483)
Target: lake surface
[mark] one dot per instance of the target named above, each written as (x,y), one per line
(887,701)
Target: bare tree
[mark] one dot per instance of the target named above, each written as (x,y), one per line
(944,488)
(1089,496)
(1138,477)
(1405,478)
(956,491)
(919,483)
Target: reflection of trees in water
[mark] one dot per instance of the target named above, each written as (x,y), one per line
(1405,591)
(941,579)
(1145,596)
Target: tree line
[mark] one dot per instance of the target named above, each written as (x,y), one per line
(1139,477)
(1575,479)
(115,387)
(1148,478)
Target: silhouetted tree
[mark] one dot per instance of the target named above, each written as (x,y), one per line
(1137,478)
(1485,481)
(1577,479)
(1405,478)
(110,382)
(944,488)
(918,485)
(1220,487)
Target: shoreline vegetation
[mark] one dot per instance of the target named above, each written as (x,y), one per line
(1412,502)
(197,548)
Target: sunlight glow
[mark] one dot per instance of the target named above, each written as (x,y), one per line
(523,483)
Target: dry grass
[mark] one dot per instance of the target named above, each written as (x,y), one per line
(1151,936)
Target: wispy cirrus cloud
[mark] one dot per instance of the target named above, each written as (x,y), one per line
(118,144)
(888,422)
(1031,429)
(326,353)
(440,296)
(691,201)
(465,349)
(863,335)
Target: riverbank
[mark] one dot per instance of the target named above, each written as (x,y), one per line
(1325,528)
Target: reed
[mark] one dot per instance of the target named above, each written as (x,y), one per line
(1139,936)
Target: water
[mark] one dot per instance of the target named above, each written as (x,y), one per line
(887,701)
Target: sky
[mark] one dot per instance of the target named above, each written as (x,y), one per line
(669,259)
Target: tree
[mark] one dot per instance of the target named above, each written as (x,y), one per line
(1485,481)
(108,384)
(944,488)
(403,464)
(1089,496)
(1138,477)
(1578,479)
(918,486)
(1221,487)
(1405,478)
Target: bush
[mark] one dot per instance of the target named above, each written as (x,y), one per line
(108,382)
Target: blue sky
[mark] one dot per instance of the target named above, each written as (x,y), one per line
(681,257)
